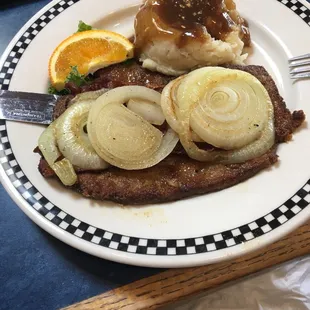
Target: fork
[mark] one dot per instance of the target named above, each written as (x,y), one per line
(300,67)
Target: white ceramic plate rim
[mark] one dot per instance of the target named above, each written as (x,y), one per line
(189,259)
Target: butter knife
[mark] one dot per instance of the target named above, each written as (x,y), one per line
(27,107)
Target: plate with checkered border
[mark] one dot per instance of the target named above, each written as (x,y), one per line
(190,232)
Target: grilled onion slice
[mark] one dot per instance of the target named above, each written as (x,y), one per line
(123,138)
(65,172)
(72,137)
(67,134)
(48,147)
(149,111)
(228,109)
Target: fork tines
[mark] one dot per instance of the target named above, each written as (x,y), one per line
(300,66)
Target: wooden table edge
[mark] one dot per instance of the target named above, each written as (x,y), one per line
(175,284)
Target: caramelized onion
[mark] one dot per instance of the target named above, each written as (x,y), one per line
(68,134)
(48,147)
(65,172)
(229,109)
(72,138)
(149,111)
(122,137)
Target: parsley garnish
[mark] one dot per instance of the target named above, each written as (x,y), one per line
(53,91)
(77,78)
(83,27)
(74,77)
(128,62)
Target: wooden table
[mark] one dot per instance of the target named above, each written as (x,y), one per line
(173,285)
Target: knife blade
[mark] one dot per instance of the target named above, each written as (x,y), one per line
(27,107)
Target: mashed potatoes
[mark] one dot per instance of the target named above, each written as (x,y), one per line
(176,36)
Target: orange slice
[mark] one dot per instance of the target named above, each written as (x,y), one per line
(89,51)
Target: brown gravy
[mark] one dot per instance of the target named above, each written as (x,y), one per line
(190,19)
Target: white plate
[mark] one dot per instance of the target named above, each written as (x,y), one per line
(196,231)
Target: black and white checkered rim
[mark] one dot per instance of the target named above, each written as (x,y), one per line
(115,241)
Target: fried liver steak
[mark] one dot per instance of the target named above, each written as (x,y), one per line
(177,176)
